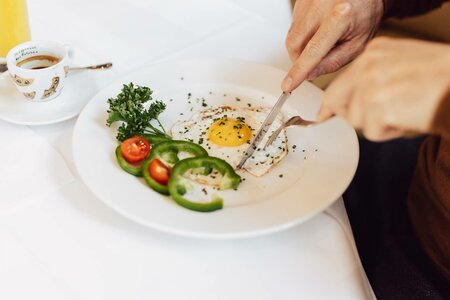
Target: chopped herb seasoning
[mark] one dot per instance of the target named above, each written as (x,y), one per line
(281,175)
(294,146)
(238,99)
(249,105)
(204,191)
(200,141)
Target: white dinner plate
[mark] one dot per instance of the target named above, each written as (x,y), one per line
(309,179)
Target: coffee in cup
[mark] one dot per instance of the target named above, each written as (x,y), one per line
(38,62)
(39,69)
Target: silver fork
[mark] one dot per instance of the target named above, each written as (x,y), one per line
(296,120)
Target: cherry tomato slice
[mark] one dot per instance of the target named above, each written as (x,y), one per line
(159,171)
(135,149)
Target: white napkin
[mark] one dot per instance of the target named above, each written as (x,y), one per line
(29,169)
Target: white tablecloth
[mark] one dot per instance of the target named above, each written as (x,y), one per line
(66,244)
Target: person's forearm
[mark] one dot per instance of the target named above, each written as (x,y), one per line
(405,8)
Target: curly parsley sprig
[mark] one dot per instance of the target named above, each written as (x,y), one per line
(128,107)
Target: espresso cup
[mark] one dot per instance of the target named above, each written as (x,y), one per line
(39,69)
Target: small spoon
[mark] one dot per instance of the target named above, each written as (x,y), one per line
(296,120)
(104,66)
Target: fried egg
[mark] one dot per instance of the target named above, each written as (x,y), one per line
(227,132)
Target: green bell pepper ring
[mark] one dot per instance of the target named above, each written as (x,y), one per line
(155,139)
(135,170)
(156,186)
(167,152)
(178,185)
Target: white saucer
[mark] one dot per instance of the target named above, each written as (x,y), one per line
(78,90)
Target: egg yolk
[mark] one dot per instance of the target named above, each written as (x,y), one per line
(229,132)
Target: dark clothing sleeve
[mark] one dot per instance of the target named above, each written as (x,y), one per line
(429,201)
(441,122)
(405,8)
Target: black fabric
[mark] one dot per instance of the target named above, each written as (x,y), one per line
(396,265)
(408,8)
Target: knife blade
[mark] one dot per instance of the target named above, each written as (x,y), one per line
(264,128)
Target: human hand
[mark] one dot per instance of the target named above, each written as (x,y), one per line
(394,87)
(327,34)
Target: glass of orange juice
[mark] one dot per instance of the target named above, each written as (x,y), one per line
(14,27)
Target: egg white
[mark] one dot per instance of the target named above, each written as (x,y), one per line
(262,160)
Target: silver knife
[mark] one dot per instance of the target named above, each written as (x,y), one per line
(264,128)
